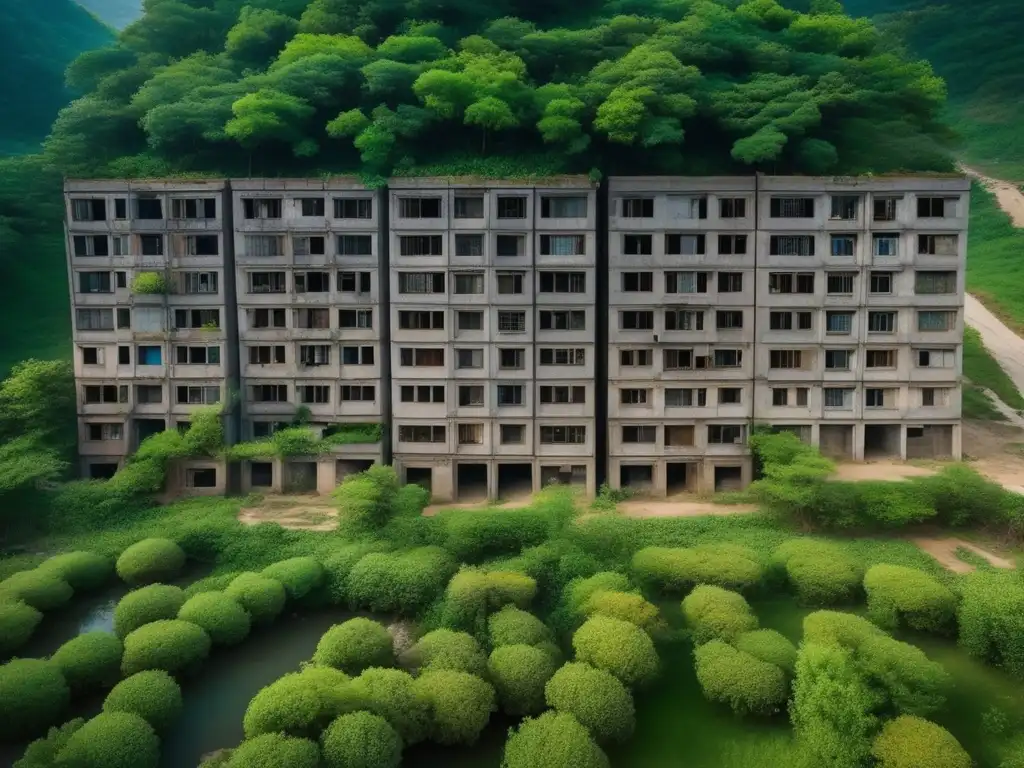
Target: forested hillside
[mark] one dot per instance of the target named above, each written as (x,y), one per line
(117,13)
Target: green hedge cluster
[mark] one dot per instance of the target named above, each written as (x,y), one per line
(553,740)
(400,582)
(298,575)
(472,594)
(391,693)
(446,649)
(339,564)
(17,623)
(991,619)
(145,605)
(271,750)
(906,596)
(819,572)
(42,753)
(714,613)
(460,705)
(911,742)
(112,740)
(490,533)
(622,648)
(217,583)
(355,645)
(770,646)
(513,626)
(595,698)
(361,740)
(744,682)
(519,674)
(298,704)
(263,598)
(579,591)
(42,589)
(169,644)
(679,570)
(153,695)
(627,606)
(150,560)
(90,661)
(33,696)
(222,618)
(84,571)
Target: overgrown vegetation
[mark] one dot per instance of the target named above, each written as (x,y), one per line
(993,263)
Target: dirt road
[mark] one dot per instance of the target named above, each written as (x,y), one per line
(1009,196)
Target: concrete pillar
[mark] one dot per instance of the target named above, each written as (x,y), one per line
(492,480)
(903,442)
(957,442)
(278,484)
(858,441)
(442,482)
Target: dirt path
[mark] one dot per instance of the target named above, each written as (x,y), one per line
(296,513)
(944,550)
(681,508)
(1009,196)
(1004,345)
(880,470)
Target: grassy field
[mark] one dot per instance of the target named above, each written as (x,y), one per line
(995,259)
(981,368)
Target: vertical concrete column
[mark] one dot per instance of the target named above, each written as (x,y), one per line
(957,447)
(858,441)
(492,480)
(903,442)
(278,485)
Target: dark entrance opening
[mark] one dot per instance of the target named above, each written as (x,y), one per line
(421,476)
(472,482)
(677,475)
(881,441)
(514,481)
(638,477)
(261,474)
(300,477)
(147,427)
(346,467)
(201,477)
(728,478)
(102,471)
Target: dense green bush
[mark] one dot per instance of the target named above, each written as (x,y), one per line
(594,697)
(679,570)
(298,575)
(42,753)
(263,598)
(627,606)
(899,595)
(169,644)
(222,618)
(832,707)
(911,742)
(275,750)
(405,582)
(445,649)
(391,694)
(715,613)
(91,660)
(17,623)
(84,571)
(622,648)
(355,645)
(770,646)
(519,674)
(298,704)
(339,564)
(513,626)
(819,572)
(218,583)
(961,496)
(472,594)
(840,628)
(361,740)
(150,560)
(33,696)
(579,591)
(43,590)
(112,740)
(747,684)
(991,619)
(493,532)
(460,705)
(153,695)
(142,606)
(553,740)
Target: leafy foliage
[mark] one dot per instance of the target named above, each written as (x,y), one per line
(141,606)
(445,649)
(899,595)
(912,741)
(223,618)
(33,694)
(171,645)
(554,739)
(112,740)
(622,648)
(404,582)
(355,645)
(89,661)
(361,740)
(153,695)
(513,626)
(713,613)
(84,571)
(991,619)
(744,682)
(391,694)
(519,674)
(150,560)
(42,753)
(43,590)
(262,598)
(273,749)
(679,570)
(299,575)
(472,594)
(17,623)
(595,698)
(460,704)
(770,646)
(298,704)
(819,572)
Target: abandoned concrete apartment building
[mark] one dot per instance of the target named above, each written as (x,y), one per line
(507,335)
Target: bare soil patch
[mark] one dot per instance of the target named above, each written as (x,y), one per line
(517,502)
(944,550)
(669,508)
(296,513)
(880,470)
(994,450)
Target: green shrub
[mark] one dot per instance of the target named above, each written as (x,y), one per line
(519,674)
(553,740)
(513,626)
(84,571)
(262,598)
(747,684)
(298,704)
(679,570)
(835,627)
(445,649)
(149,282)
(472,594)
(150,560)
(355,645)
(991,619)
(910,742)
(217,583)
(339,564)
(169,644)
(594,697)
(42,753)
(400,582)
(474,536)
(17,623)
(770,646)
(361,740)
(43,590)
(391,694)
(819,572)
(298,575)
(579,591)
(91,660)
(714,613)
(145,605)
(899,595)
(222,618)
(460,705)
(961,496)
(274,750)
(832,707)
(623,605)
(153,695)
(622,648)
(892,504)
(33,696)
(112,740)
